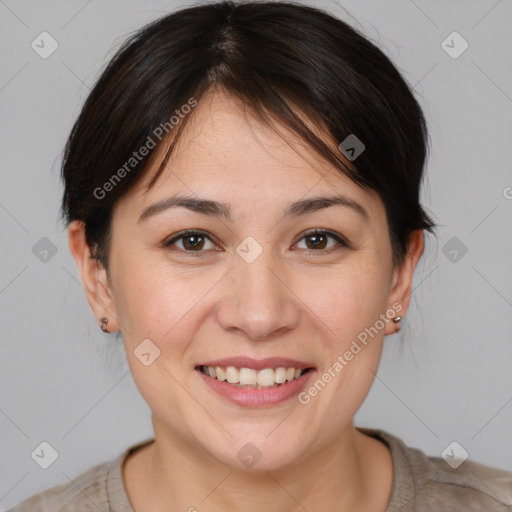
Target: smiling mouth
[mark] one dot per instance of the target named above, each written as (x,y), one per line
(250,378)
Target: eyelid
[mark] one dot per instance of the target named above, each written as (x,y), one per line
(342,242)
(337,236)
(182,234)
(340,239)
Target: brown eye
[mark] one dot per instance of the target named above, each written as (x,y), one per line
(317,241)
(191,241)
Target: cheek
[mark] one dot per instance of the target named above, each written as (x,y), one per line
(345,300)
(348,306)
(158,301)
(140,296)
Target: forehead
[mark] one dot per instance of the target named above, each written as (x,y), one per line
(225,154)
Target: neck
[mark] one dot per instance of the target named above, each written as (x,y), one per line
(352,472)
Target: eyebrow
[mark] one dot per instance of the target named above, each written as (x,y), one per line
(217,209)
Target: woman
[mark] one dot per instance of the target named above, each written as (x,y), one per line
(242,201)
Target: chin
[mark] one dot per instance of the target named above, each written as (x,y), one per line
(258,453)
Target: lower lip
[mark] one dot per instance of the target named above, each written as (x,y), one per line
(249,397)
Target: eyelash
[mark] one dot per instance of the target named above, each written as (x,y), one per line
(343,244)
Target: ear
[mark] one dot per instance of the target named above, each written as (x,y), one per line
(402,279)
(94,276)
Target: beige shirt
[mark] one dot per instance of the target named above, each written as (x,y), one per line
(420,484)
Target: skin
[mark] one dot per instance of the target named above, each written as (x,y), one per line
(289,302)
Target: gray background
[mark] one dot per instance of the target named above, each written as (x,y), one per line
(446,377)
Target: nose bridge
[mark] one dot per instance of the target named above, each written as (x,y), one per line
(257,301)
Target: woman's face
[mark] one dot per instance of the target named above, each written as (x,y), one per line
(252,284)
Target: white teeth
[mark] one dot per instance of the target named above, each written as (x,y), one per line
(266,377)
(280,377)
(249,377)
(232,375)
(220,373)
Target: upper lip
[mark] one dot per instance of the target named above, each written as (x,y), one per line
(258,364)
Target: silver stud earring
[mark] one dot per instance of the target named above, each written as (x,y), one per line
(397,319)
(104,322)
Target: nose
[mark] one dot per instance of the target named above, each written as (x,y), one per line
(258,303)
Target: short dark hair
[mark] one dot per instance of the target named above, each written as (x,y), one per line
(278,58)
